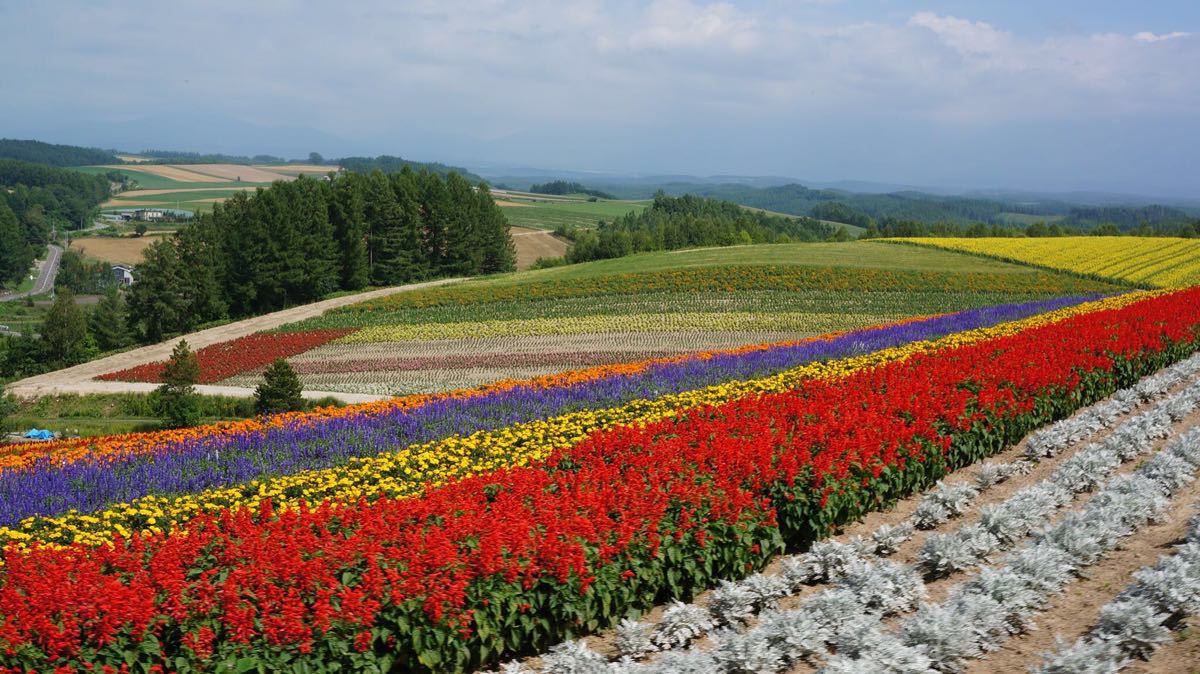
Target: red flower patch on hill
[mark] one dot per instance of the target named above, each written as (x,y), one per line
(223,360)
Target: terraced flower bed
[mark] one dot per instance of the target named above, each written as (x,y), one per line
(443,533)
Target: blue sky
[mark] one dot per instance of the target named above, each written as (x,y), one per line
(1053,95)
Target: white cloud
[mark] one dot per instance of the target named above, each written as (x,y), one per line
(1146,36)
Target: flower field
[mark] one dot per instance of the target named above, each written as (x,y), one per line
(1155,262)
(453,531)
(472,334)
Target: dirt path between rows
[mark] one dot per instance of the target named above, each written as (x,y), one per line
(80,378)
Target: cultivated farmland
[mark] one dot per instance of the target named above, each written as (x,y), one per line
(1156,262)
(782,458)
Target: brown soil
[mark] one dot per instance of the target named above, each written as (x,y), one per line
(248,174)
(515,204)
(182,174)
(125,250)
(535,243)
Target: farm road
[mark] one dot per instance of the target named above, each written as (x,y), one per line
(48,270)
(81,378)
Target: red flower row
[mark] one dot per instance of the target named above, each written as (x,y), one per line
(224,360)
(624,519)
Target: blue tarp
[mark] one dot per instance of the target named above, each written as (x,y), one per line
(35,434)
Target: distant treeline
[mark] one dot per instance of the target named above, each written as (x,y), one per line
(34,200)
(563,187)
(671,223)
(54,155)
(892,227)
(860,209)
(390,164)
(295,242)
(174,157)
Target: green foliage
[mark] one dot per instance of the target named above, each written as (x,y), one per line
(562,187)
(688,221)
(836,211)
(65,331)
(280,389)
(16,255)
(176,398)
(8,405)
(390,164)
(83,276)
(52,154)
(67,197)
(109,322)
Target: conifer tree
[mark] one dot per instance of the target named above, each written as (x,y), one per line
(346,213)
(156,301)
(109,321)
(176,397)
(65,331)
(280,389)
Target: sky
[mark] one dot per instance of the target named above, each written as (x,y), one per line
(1050,96)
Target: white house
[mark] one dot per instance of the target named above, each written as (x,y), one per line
(123,274)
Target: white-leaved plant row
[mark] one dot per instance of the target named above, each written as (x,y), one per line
(867,588)
(1140,618)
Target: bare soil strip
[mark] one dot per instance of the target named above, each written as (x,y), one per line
(535,243)
(250,174)
(170,172)
(77,379)
(151,193)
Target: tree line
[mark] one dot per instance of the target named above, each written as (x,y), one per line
(562,187)
(52,154)
(34,201)
(295,242)
(890,227)
(689,221)
(390,164)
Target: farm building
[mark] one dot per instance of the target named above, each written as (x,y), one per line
(147,215)
(123,274)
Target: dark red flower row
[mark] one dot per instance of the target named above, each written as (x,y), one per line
(515,560)
(226,359)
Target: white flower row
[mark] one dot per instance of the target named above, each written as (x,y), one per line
(1139,619)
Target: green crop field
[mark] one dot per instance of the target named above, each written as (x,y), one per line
(149,181)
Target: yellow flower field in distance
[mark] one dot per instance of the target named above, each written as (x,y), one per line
(1161,262)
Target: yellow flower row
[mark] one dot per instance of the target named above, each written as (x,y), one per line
(1153,261)
(742,321)
(406,472)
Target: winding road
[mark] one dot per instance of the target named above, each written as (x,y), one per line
(46,276)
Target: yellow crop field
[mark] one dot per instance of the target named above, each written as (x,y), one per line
(1150,261)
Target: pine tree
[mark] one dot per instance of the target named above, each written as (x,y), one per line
(499,253)
(280,389)
(16,256)
(346,212)
(157,304)
(109,322)
(65,331)
(176,397)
